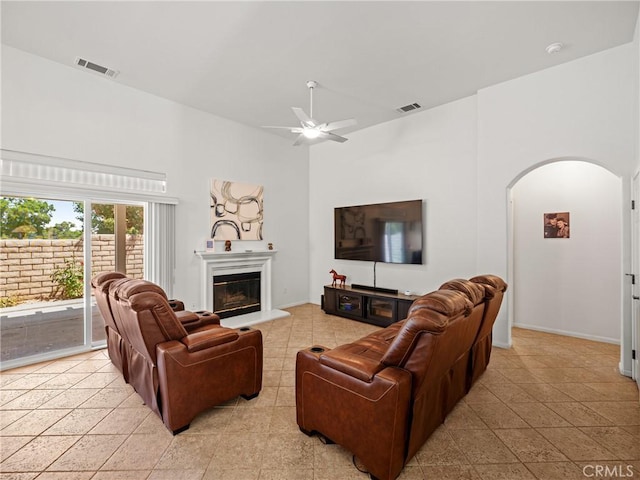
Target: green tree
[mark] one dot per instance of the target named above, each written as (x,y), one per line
(64,230)
(102,218)
(24,217)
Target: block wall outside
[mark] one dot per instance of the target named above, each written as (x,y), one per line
(26,265)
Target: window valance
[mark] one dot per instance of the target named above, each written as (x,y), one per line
(30,174)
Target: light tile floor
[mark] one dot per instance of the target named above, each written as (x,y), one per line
(551,407)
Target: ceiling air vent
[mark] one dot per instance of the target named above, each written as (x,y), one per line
(107,72)
(408,108)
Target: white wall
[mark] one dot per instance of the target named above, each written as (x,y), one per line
(463,157)
(554,276)
(582,109)
(428,155)
(56,110)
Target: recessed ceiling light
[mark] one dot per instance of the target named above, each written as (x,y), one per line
(554,48)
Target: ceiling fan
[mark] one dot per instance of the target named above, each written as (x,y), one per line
(310,130)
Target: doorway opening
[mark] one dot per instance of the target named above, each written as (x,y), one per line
(573,285)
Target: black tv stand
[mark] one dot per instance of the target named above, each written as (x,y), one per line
(391,291)
(375,305)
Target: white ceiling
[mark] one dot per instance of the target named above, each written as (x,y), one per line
(249,61)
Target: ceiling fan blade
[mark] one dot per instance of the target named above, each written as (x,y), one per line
(305,119)
(332,136)
(331,126)
(300,140)
(310,130)
(291,129)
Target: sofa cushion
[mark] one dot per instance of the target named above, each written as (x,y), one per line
(421,320)
(102,277)
(492,280)
(475,292)
(445,302)
(138,286)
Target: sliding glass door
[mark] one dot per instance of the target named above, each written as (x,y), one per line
(62,221)
(117,244)
(42,277)
(48,258)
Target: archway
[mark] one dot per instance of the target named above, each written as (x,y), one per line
(572,286)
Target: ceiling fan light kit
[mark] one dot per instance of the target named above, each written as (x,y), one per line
(312,131)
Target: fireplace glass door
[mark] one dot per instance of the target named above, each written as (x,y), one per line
(236,294)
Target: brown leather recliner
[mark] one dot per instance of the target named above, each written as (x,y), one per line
(382,399)
(460,370)
(383,395)
(177,373)
(101,283)
(115,346)
(495,287)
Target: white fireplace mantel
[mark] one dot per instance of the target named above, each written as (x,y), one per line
(248,261)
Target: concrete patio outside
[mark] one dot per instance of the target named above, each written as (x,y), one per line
(43,327)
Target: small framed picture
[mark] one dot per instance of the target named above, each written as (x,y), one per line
(210,245)
(556,225)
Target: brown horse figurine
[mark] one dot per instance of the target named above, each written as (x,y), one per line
(337,277)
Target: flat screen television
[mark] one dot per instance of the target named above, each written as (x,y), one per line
(382,232)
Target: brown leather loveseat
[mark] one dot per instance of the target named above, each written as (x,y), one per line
(181,368)
(383,395)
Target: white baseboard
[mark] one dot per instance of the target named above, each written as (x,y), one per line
(501,345)
(595,338)
(626,373)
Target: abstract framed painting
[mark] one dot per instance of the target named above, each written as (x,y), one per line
(236,210)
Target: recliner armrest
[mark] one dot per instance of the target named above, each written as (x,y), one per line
(176,305)
(186,317)
(370,419)
(356,366)
(209,338)
(208,318)
(193,321)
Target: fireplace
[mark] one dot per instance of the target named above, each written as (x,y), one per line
(221,264)
(236,294)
